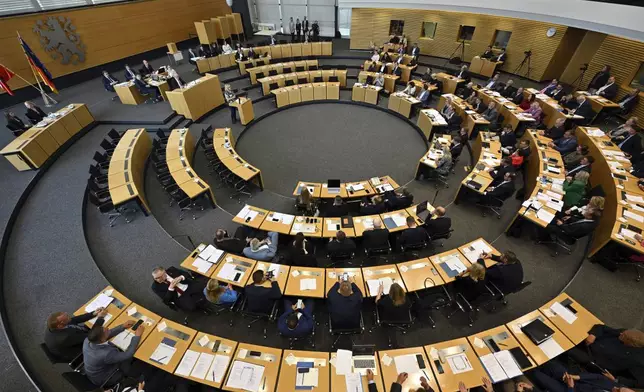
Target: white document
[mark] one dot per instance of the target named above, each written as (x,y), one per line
(308,379)
(203,364)
(479,343)
(242,214)
(187,363)
(374,285)
(123,339)
(215,256)
(399,220)
(218,369)
(131,311)
(551,348)
(308,284)
(387,360)
(227,272)
(563,312)
(454,263)
(275,268)
(102,301)
(459,363)
(204,341)
(244,375)
(107,318)
(508,363)
(207,252)
(545,216)
(356,187)
(354,382)
(628,233)
(493,368)
(406,364)
(628,214)
(287,219)
(343,363)
(163,353)
(331,226)
(162,326)
(555,206)
(636,199)
(201,265)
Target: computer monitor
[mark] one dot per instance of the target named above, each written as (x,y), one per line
(333,183)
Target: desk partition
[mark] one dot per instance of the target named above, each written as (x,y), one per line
(279,68)
(348,190)
(295,77)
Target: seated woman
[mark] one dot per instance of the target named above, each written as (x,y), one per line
(393,306)
(410,89)
(302,252)
(218,294)
(444,164)
(527,102)
(305,202)
(575,188)
(471,282)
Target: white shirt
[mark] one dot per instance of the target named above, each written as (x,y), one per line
(490,84)
(227,49)
(375,57)
(601,89)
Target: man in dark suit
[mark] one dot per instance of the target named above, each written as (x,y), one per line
(215,49)
(396,70)
(456,147)
(500,57)
(453,119)
(129,73)
(628,102)
(488,54)
(146,89)
(338,209)
(34,113)
(599,79)
(415,51)
(109,81)
(499,172)
(412,235)
(344,301)
(233,245)
(398,200)
(556,131)
(584,165)
(553,85)
(554,376)
(575,226)
(147,69)
(294,322)
(261,293)
(609,90)
(632,144)
(490,113)
(584,109)
(65,334)
(439,223)
(501,191)
(340,244)
(506,274)
(493,82)
(465,91)
(518,97)
(373,67)
(507,138)
(174,286)
(375,238)
(567,143)
(508,90)
(557,93)
(373,207)
(464,74)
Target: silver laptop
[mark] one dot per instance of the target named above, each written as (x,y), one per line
(333,186)
(364,357)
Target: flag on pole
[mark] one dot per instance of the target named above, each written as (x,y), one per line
(37,66)
(5,76)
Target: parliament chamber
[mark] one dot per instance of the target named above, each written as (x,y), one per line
(325,196)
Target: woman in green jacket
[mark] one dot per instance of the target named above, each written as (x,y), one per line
(575,188)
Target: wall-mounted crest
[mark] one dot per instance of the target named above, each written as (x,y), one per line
(59,38)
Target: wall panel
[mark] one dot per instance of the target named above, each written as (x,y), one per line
(109,32)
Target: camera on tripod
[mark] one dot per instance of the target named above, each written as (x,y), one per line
(528,53)
(584,67)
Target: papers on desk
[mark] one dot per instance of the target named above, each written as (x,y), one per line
(554,169)
(399,219)
(244,375)
(307,379)
(551,348)
(500,366)
(406,364)
(283,218)
(374,285)
(247,214)
(229,272)
(452,264)
(218,368)
(595,132)
(354,382)
(627,233)
(563,312)
(123,339)
(356,187)
(555,205)
(366,223)
(474,250)
(308,284)
(554,195)
(459,363)
(545,216)
(163,354)
(201,367)
(343,363)
(201,265)
(630,215)
(303,228)
(635,199)
(187,363)
(101,301)
(106,319)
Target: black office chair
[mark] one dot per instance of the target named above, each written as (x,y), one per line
(260,75)
(340,257)
(313,67)
(272,72)
(188,204)
(415,247)
(500,296)
(101,160)
(494,204)
(333,79)
(369,79)
(378,251)
(299,68)
(217,309)
(107,208)
(273,86)
(162,137)
(76,363)
(498,124)
(340,332)
(289,82)
(469,308)
(100,175)
(108,147)
(302,80)
(255,317)
(114,135)
(563,241)
(287,70)
(442,236)
(393,325)
(81,383)
(431,298)
(310,338)
(318,79)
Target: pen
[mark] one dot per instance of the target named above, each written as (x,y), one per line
(426,376)
(504,345)
(163,358)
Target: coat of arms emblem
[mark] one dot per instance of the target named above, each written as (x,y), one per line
(59,38)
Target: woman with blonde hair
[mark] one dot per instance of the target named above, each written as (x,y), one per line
(471,282)
(218,294)
(575,188)
(393,306)
(305,201)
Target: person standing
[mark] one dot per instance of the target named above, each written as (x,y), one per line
(230,97)
(291,29)
(305,27)
(298,28)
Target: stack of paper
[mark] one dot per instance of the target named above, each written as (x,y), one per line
(123,339)
(406,364)
(545,216)
(246,376)
(228,271)
(374,285)
(308,284)
(501,366)
(187,363)
(343,363)
(163,354)
(106,319)
(563,312)
(551,348)
(630,215)
(399,220)
(353,382)
(101,301)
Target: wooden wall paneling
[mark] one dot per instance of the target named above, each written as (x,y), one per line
(109,32)
(583,55)
(224,26)
(239,25)
(564,53)
(202,34)
(219,31)
(369,24)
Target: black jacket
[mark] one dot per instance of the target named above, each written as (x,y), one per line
(344,311)
(456,150)
(578,227)
(146,70)
(185,301)
(128,76)
(610,92)
(498,173)
(556,94)
(35,115)
(508,139)
(107,84)
(502,191)
(628,106)
(67,343)
(372,209)
(438,226)
(586,111)
(334,211)
(469,288)
(412,236)
(16,124)
(231,245)
(336,247)
(488,54)
(466,75)
(517,98)
(377,238)
(465,92)
(259,299)
(555,133)
(599,80)
(389,312)
(507,277)
(610,353)
(454,121)
(631,145)
(508,91)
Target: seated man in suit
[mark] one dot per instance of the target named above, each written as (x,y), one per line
(373,67)
(464,74)
(261,293)
(617,135)
(567,143)
(233,245)
(629,101)
(506,274)
(488,54)
(466,91)
(609,90)
(412,235)
(398,200)
(147,69)
(498,173)
(344,301)
(575,226)
(456,147)
(376,238)
(632,144)
(382,68)
(518,97)
(453,119)
(493,82)
(396,70)
(263,250)
(584,165)
(338,209)
(490,113)
(178,288)
(568,102)
(553,84)
(425,96)
(554,376)
(427,75)
(508,139)
(500,57)
(372,207)
(584,109)
(573,159)
(294,322)
(557,93)
(129,73)
(65,334)
(439,223)
(557,131)
(340,244)
(108,82)
(146,89)
(502,191)
(101,359)
(508,90)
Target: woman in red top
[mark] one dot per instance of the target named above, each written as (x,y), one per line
(525,104)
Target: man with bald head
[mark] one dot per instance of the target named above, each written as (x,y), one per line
(65,334)
(376,238)
(439,222)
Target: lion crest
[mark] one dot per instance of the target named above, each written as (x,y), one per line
(59,38)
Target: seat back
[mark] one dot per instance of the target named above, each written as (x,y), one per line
(106,145)
(313,67)
(289,82)
(54,359)
(341,255)
(79,381)
(369,79)
(273,86)
(99,158)
(381,250)
(333,79)
(299,69)
(347,331)
(114,135)
(302,80)
(442,236)
(260,75)
(318,79)
(287,70)
(272,72)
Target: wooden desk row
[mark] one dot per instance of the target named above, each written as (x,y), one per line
(483,66)
(363,92)
(224,146)
(488,154)
(219,28)
(545,174)
(207,64)
(309,77)
(306,49)
(129,94)
(31,149)
(402,103)
(280,68)
(306,92)
(550,107)
(390,80)
(210,359)
(450,82)
(369,187)
(597,102)
(394,57)
(429,120)
(179,153)
(197,97)
(470,118)
(405,70)
(623,214)
(512,113)
(126,180)
(434,153)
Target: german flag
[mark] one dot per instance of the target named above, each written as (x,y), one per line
(37,65)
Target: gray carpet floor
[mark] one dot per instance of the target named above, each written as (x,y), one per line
(49,266)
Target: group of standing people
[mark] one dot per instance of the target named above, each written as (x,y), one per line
(298,27)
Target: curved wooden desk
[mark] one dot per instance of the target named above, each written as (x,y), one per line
(224,146)
(470,118)
(295,77)
(197,97)
(306,92)
(624,201)
(321,190)
(127,166)
(487,151)
(390,80)
(279,68)
(512,114)
(179,153)
(406,70)
(550,107)
(287,51)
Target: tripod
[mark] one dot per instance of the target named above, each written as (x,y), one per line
(461,46)
(580,78)
(526,60)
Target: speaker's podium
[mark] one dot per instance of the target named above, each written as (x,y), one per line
(245,108)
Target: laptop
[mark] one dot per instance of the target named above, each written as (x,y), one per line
(422,212)
(364,357)
(537,331)
(333,186)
